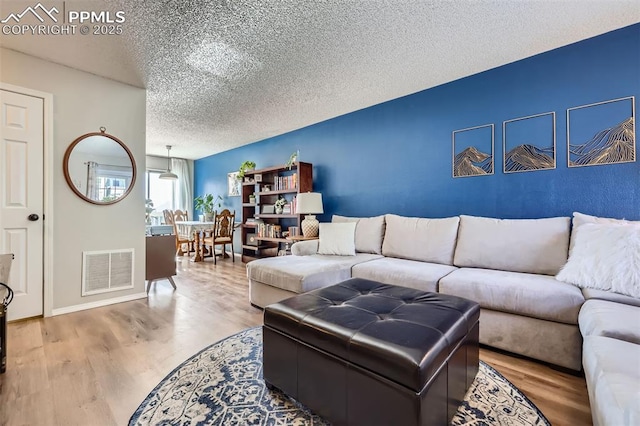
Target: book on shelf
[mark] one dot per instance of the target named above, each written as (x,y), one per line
(286,183)
(286,209)
(267,230)
(294,205)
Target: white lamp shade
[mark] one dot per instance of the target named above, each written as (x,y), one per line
(309,203)
(168,175)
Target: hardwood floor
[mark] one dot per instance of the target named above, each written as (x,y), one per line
(95,367)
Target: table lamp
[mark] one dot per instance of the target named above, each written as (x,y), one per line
(309,203)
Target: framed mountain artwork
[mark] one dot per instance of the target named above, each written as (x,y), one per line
(601,133)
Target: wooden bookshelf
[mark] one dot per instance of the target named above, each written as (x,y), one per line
(280,177)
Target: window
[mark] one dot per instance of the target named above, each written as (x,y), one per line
(112,181)
(161,192)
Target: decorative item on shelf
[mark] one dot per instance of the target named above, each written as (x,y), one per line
(252,199)
(206,204)
(292,159)
(268,209)
(245,167)
(258,177)
(252,239)
(266,188)
(168,174)
(310,203)
(279,205)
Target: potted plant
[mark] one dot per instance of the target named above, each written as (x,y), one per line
(252,198)
(148,207)
(245,167)
(206,204)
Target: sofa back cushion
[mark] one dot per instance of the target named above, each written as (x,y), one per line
(369,232)
(536,246)
(426,240)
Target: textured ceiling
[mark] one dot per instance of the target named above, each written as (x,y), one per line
(220,74)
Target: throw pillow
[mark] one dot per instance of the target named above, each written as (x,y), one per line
(369,232)
(605,257)
(580,219)
(337,239)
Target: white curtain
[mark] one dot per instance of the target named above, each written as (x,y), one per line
(184,188)
(92,184)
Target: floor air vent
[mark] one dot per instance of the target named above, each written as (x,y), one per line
(104,271)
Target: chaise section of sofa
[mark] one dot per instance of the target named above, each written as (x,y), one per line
(274,279)
(508,267)
(611,358)
(612,371)
(277,278)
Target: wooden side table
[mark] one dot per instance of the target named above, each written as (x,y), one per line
(295,238)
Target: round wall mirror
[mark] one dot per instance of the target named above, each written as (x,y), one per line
(99,168)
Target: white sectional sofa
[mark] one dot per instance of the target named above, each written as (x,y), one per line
(509,267)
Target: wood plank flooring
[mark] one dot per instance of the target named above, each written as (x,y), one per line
(95,367)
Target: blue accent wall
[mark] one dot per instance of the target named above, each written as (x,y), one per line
(395,157)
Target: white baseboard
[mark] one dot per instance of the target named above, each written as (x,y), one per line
(98,304)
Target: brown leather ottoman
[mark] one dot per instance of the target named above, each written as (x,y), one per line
(365,353)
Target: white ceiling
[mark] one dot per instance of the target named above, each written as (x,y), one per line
(223,73)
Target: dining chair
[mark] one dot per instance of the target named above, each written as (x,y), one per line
(223,227)
(182,237)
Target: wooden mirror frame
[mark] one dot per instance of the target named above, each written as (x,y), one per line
(67,176)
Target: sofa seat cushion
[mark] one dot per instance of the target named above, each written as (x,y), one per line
(407,273)
(610,319)
(533,246)
(300,274)
(592,293)
(612,371)
(537,296)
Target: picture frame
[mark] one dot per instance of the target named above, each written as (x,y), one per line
(234,185)
(529,143)
(601,133)
(268,209)
(473,151)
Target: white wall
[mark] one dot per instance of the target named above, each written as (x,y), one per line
(82,103)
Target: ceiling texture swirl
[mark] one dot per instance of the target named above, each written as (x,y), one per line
(222,74)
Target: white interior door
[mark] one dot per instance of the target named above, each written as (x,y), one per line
(22,198)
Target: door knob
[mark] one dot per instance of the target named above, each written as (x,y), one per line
(33,217)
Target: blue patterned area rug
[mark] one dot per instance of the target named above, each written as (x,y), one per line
(222,385)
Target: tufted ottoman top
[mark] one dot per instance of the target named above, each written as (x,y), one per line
(400,333)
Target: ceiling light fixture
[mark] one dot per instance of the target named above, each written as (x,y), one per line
(168,175)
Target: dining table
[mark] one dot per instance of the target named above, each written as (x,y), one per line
(197,229)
